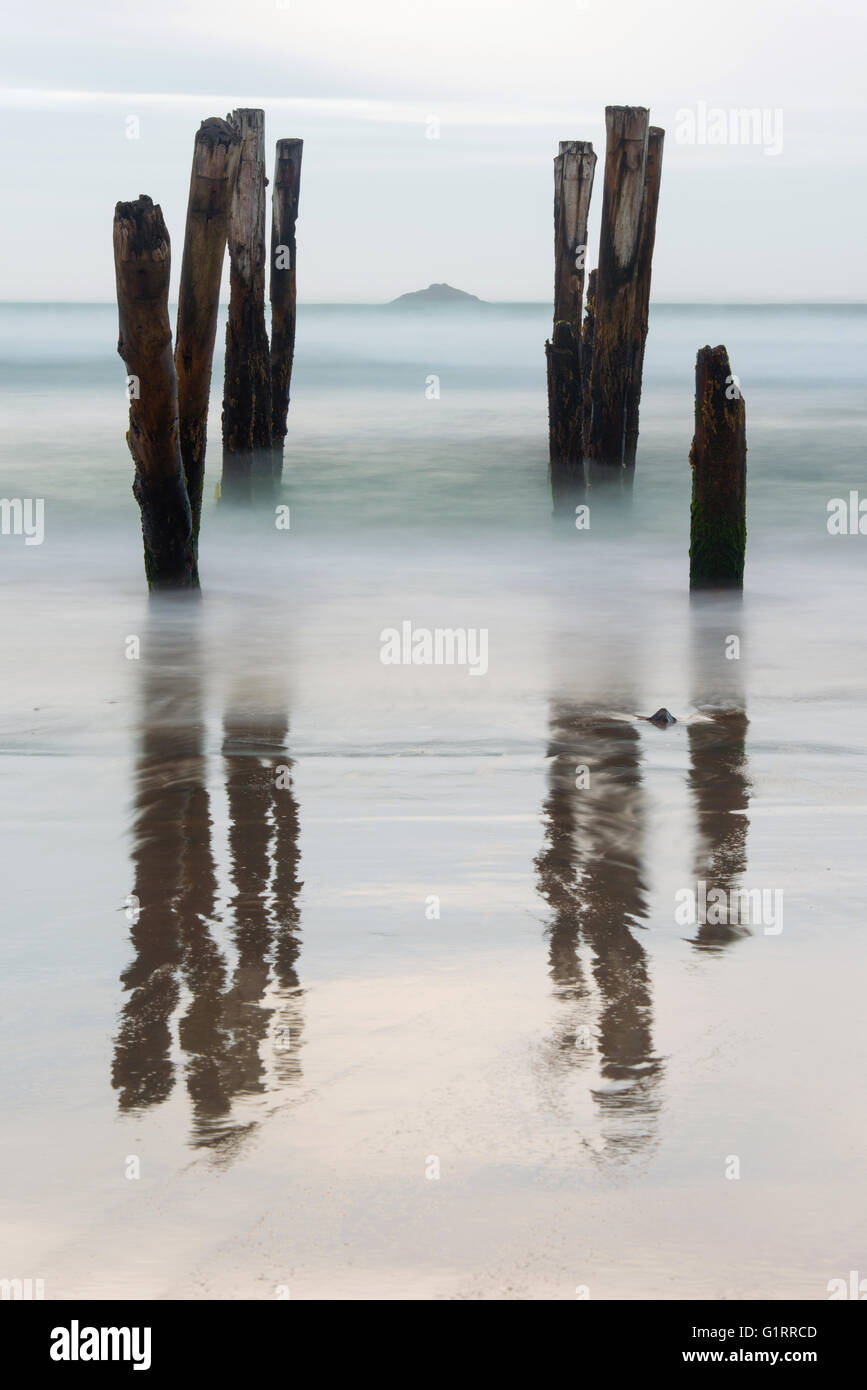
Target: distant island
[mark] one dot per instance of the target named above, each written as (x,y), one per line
(436,295)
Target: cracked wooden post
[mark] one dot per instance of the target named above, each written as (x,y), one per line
(247,391)
(615,330)
(284,215)
(573,185)
(652,178)
(216,153)
(718,458)
(142,263)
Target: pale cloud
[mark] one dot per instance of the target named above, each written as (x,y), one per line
(505,82)
(305,108)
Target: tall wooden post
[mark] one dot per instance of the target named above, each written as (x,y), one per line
(563,356)
(142,263)
(247,392)
(718,458)
(216,153)
(616,332)
(587,335)
(573,185)
(284,215)
(652,178)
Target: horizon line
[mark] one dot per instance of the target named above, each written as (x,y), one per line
(483,303)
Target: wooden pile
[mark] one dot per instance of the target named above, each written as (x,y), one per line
(595,369)
(168,391)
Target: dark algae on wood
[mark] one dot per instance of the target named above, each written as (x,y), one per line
(718,458)
(142,261)
(216,154)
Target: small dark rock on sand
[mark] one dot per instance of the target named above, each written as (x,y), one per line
(661,719)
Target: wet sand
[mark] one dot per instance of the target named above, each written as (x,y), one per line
(223,967)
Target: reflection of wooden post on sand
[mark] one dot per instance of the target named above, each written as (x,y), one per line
(247,391)
(573,184)
(592,873)
(718,458)
(215,165)
(142,262)
(719,775)
(284,215)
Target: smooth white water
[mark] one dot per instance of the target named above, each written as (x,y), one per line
(285,1037)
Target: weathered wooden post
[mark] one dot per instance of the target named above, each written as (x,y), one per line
(284,215)
(587,334)
(652,178)
(616,330)
(718,458)
(573,185)
(563,356)
(247,392)
(216,153)
(142,263)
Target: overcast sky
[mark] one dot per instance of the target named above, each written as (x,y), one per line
(385,208)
